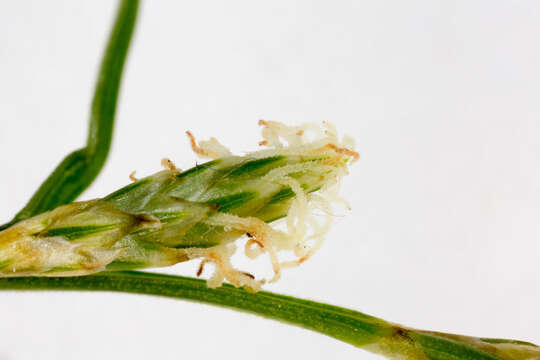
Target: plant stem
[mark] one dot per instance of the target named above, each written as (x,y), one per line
(350,326)
(79,169)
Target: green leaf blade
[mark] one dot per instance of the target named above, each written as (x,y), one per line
(79,169)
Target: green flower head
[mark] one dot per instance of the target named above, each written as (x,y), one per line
(175,216)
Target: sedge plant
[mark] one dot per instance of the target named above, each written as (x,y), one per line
(54,243)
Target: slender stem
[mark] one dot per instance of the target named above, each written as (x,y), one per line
(78,170)
(349,326)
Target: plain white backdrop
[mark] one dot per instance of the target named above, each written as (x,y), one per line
(442,97)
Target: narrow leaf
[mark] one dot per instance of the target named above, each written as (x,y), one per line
(358,329)
(79,169)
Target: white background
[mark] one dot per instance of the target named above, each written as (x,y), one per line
(442,97)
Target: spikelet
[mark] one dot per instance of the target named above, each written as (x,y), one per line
(175,216)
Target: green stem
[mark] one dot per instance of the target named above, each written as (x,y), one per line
(77,171)
(350,326)
(343,324)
